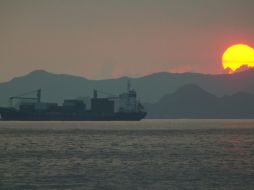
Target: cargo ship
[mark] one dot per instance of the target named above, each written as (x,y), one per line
(124,107)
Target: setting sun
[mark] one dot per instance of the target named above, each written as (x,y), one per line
(238,56)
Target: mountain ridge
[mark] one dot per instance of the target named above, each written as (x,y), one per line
(150,88)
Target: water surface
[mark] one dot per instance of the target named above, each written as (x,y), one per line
(151,154)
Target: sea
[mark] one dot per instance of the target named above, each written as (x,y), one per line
(144,155)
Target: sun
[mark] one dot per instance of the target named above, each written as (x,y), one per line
(237,57)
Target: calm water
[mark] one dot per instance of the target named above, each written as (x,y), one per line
(151,154)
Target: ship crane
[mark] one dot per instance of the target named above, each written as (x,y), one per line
(21,97)
(109,96)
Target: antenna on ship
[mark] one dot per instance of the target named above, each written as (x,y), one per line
(128,85)
(95,94)
(38,95)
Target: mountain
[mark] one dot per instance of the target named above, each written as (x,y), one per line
(150,88)
(191,101)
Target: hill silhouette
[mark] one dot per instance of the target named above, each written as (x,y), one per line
(150,88)
(191,101)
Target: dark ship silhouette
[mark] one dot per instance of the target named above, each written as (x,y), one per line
(124,107)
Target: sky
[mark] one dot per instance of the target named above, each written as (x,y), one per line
(101,39)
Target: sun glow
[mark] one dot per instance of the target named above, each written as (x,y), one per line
(237,57)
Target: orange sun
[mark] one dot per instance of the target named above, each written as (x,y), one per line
(237,57)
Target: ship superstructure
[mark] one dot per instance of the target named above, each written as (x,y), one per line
(122,107)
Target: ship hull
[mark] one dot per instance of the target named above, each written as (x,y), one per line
(15,115)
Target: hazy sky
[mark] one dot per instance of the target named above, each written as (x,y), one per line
(110,38)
